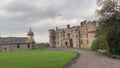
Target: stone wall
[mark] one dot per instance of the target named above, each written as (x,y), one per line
(13,47)
(4,48)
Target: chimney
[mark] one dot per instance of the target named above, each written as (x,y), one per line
(81,24)
(68,26)
(56,28)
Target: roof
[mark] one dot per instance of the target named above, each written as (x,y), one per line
(30,32)
(12,40)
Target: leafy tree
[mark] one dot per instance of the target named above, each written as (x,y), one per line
(109,25)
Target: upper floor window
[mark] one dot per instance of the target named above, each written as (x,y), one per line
(80,35)
(81,41)
(87,41)
(87,35)
(77,36)
(68,35)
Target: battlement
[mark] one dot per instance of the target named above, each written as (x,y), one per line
(88,23)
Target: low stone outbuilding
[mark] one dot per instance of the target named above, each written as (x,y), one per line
(17,43)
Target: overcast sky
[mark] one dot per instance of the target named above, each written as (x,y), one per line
(16,16)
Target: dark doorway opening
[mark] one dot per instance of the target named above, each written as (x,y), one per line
(18,45)
(71,43)
(66,44)
(28,45)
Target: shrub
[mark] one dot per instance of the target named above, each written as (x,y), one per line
(94,45)
(116,56)
(42,45)
(100,44)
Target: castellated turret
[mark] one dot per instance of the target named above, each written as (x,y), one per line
(75,36)
(91,25)
(52,37)
(92,31)
(88,32)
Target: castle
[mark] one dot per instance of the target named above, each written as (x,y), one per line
(17,43)
(76,36)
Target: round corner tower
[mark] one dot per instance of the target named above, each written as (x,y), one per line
(52,37)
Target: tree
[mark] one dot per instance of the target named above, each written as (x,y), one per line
(109,24)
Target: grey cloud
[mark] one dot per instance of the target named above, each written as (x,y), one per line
(22,14)
(55,8)
(29,12)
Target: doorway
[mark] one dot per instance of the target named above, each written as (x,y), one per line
(71,43)
(66,43)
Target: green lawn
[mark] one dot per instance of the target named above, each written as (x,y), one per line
(36,59)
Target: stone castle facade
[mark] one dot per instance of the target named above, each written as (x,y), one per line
(76,36)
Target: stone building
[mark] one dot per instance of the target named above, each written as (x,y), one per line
(17,43)
(76,36)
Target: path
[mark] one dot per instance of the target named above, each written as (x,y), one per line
(90,59)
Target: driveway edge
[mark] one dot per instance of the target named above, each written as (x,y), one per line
(73,61)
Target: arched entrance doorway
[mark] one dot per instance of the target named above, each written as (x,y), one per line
(66,43)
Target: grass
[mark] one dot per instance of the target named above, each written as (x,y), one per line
(36,59)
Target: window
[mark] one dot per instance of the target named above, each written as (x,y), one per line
(80,35)
(87,35)
(87,41)
(18,45)
(28,45)
(68,35)
(81,41)
(76,36)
